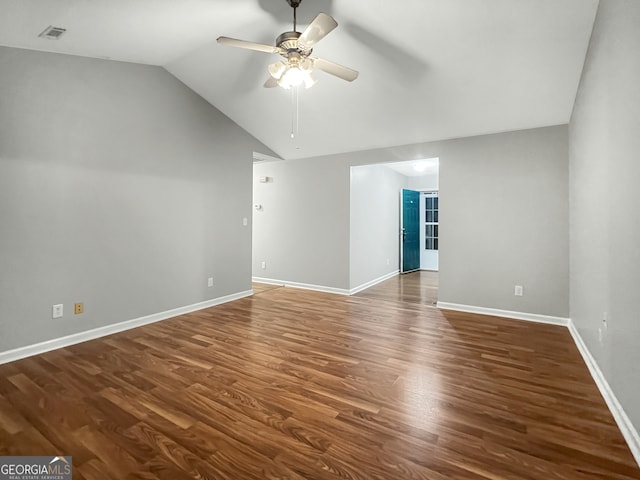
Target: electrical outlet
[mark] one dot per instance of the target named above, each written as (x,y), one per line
(263,265)
(57,311)
(518,291)
(245,221)
(78,308)
(388,262)
(210,282)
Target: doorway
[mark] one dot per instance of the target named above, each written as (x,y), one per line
(375,219)
(419,231)
(429,231)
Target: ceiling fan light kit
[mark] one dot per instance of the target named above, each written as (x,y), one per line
(295,47)
(295,72)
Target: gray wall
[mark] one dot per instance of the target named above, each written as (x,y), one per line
(605,200)
(504,221)
(504,218)
(119,188)
(375,222)
(302,231)
(429,181)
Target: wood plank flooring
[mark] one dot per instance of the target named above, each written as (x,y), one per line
(293,384)
(416,287)
(263,287)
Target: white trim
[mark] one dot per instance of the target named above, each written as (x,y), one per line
(268,281)
(373,282)
(627,429)
(46,346)
(530,317)
(305,286)
(400,240)
(322,288)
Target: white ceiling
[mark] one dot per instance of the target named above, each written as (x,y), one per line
(416,168)
(429,69)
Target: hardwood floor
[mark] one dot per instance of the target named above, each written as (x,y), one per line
(263,287)
(416,287)
(293,384)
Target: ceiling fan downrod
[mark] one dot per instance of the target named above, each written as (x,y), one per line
(294,4)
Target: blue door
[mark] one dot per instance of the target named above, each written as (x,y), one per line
(410,231)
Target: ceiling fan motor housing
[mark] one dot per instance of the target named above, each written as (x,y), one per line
(289,42)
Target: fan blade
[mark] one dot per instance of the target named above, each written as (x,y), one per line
(321,26)
(271,83)
(339,71)
(259,47)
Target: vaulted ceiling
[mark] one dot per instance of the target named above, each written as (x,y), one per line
(429,69)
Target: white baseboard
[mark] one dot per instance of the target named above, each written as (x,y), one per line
(322,288)
(268,281)
(305,286)
(371,283)
(42,347)
(629,432)
(530,317)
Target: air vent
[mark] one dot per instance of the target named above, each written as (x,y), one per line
(52,33)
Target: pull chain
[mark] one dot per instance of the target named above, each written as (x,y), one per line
(295,112)
(295,108)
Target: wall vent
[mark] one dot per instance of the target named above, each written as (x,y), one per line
(52,33)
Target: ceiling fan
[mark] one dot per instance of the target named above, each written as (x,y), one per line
(296,48)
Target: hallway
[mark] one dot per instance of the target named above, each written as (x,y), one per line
(416,287)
